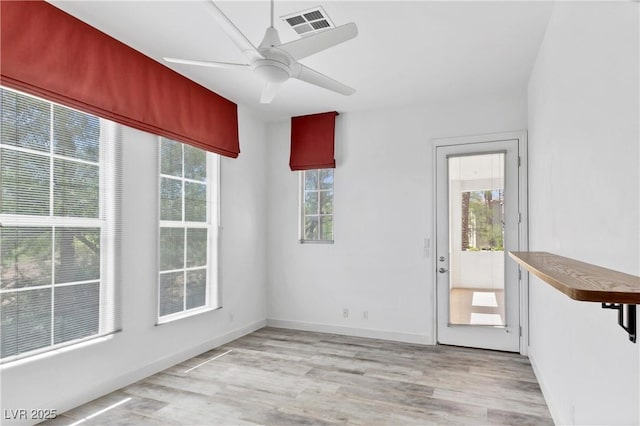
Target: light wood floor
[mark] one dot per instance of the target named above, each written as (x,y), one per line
(465,311)
(285,377)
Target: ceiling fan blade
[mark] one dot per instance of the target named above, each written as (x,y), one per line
(234,33)
(318,42)
(206,63)
(269,92)
(314,77)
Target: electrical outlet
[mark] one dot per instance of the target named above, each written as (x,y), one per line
(365,315)
(345,312)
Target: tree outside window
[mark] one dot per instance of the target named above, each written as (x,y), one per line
(482,220)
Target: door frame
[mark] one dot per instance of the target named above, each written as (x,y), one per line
(523,226)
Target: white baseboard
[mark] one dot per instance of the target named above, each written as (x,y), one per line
(176,358)
(422,339)
(158,365)
(556,414)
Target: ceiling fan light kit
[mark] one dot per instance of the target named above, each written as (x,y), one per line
(275,62)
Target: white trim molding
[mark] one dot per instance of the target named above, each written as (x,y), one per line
(523,207)
(395,336)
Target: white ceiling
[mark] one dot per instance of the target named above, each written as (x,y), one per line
(406,53)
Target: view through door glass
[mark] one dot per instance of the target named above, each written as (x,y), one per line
(476,239)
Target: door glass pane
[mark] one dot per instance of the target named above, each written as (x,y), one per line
(476,240)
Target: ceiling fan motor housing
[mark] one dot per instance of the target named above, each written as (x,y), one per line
(275,67)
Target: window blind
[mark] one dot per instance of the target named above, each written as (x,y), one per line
(312,141)
(59,231)
(49,53)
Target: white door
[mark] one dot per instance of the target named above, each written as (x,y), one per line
(477,223)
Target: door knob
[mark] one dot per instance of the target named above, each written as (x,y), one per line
(442,270)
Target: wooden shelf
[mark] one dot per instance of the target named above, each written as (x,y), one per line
(579,280)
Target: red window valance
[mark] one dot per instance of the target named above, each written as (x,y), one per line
(49,53)
(312,141)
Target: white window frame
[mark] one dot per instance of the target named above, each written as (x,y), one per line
(212,224)
(301,209)
(108,160)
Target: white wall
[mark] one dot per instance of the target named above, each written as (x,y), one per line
(583,201)
(383,213)
(72,377)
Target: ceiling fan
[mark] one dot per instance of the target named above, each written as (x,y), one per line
(276,62)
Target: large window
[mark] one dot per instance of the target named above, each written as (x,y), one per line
(57,225)
(188,230)
(316,206)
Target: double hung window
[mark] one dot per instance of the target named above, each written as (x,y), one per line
(316,207)
(188,230)
(58,232)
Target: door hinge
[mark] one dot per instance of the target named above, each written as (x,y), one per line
(519,161)
(519,274)
(520,329)
(519,217)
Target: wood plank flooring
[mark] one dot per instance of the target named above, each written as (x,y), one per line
(286,377)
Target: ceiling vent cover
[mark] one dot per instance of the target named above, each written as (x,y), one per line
(309,22)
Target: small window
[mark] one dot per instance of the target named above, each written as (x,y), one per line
(58,232)
(316,207)
(188,230)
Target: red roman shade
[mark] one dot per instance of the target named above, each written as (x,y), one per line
(312,141)
(49,53)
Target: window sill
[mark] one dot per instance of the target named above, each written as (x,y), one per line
(315,241)
(185,314)
(48,353)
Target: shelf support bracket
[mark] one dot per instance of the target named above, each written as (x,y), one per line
(630,325)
